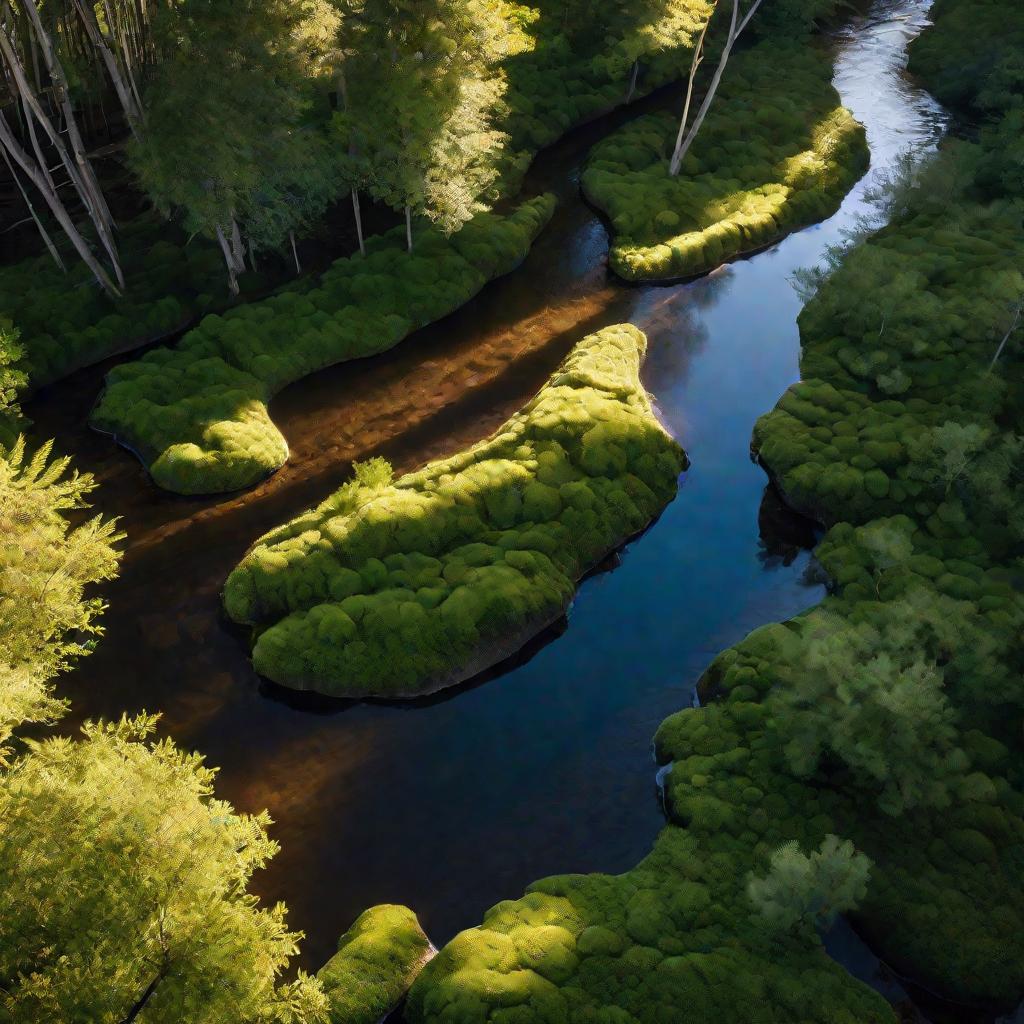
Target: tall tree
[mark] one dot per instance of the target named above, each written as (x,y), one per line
(224,115)
(421,87)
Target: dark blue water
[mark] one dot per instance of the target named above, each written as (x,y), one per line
(452,805)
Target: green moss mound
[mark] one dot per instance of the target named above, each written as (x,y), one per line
(197,413)
(67,322)
(377,960)
(674,939)
(398,589)
(798,153)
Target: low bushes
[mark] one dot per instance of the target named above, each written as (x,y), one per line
(398,589)
(674,939)
(377,960)
(798,154)
(67,322)
(197,413)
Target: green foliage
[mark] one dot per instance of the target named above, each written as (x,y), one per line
(12,381)
(810,891)
(125,882)
(799,155)
(46,619)
(66,322)
(673,938)
(198,412)
(377,960)
(396,589)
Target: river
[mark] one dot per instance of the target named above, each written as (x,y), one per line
(544,766)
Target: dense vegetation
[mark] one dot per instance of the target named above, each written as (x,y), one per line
(197,413)
(377,960)
(892,713)
(400,588)
(797,156)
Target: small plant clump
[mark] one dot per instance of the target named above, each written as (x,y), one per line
(798,154)
(377,960)
(399,589)
(197,413)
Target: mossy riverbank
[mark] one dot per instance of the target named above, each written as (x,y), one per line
(197,413)
(377,960)
(799,153)
(399,589)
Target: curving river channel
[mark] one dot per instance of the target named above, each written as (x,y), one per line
(544,766)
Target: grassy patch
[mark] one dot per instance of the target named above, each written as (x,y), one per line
(396,589)
(798,153)
(377,960)
(197,413)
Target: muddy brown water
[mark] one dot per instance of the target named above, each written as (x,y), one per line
(543,766)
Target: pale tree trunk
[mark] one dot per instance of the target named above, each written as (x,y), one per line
(125,31)
(1006,337)
(632,81)
(736,28)
(34,175)
(295,252)
(80,171)
(95,33)
(698,59)
(35,217)
(408,227)
(237,249)
(359,221)
(252,255)
(229,259)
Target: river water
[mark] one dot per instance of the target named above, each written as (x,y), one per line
(452,804)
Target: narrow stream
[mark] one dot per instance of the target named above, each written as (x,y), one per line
(452,804)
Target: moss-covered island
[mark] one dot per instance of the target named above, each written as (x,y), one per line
(799,152)
(396,589)
(197,413)
(377,960)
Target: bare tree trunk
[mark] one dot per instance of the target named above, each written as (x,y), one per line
(408,227)
(35,217)
(698,59)
(252,255)
(84,177)
(1006,337)
(96,36)
(237,249)
(295,253)
(359,221)
(734,33)
(632,81)
(229,259)
(56,207)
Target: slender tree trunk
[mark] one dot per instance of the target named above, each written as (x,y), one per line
(408,227)
(1006,337)
(237,249)
(359,221)
(252,255)
(632,81)
(35,217)
(698,59)
(734,33)
(84,177)
(229,259)
(295,252)
(96,36)
(34,175)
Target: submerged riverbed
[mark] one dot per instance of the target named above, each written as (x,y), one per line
(544,766)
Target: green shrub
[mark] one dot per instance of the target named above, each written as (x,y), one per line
(197,413)
(396,589)
(377,960)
